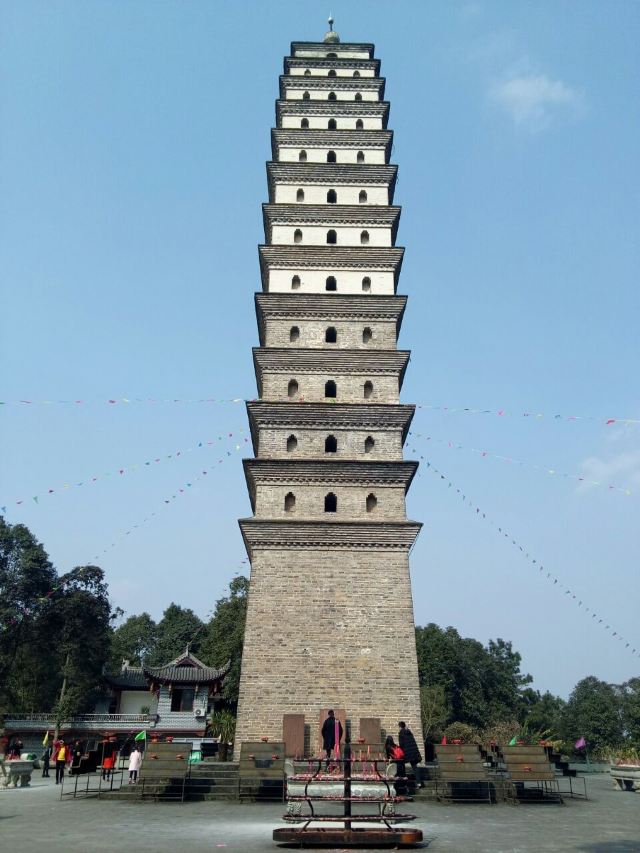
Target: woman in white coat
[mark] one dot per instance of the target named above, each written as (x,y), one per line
(135,760)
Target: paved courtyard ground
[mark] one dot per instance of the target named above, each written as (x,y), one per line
(35,819)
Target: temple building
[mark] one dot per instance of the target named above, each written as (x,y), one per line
(330,614)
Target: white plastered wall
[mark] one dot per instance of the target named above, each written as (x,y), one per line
(373,156)
(314,235)
(323,95)
(314,281)
(317,193)
(324,72)
(323,53)
(342,122)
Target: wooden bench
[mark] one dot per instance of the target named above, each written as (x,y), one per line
(529,775)
(461,774)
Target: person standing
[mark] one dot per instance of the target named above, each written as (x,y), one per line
(61,760)
(135,760)
(331,734)
(410,748)
(46,759)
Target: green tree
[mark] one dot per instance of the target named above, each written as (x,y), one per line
(178,628)
(27,579)
(225,635)
(134,640)
(594,711)
(433,705)
(541,711)
(630,697)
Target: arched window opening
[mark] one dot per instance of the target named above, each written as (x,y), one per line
(368,389)
(332,73)
(331,283)
(359,124)
(295,282)
(358,96)
(366,284)
(302,157)
(372,502)
(330,503)
(297,236)
(360,157)
(331,444)
(362,198)
(292,443)
(369,444)
(331,156)
(304,123)
(307,72)
(364,237)
(333,125)
(292,388)
(366,335)
(330,389)
(289,502)
(306,96)
(332,197)
(332,56)
(294,333)
(332,237)
(332,96)
(300,195)
(356,73)
(331,336)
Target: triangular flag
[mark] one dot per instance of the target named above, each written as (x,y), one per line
(580,743)
(513,741)
(141,736)
(444,741)
(45,739)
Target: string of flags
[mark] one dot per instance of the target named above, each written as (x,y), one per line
(179,492)
(502,412)
(454,445)
(117,473)
(551,578)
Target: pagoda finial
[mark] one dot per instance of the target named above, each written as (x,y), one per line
(331,37)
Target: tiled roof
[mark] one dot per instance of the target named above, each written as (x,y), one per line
(186,674)
(131,678)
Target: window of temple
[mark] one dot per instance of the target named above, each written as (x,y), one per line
(289,502)
(300,195)
(292,443)
(364,237)
(332,73)
(366,284)
(369,444)
(360,157)
(359,124)
(330,389)
(182,698)
(292,388)
(297,236)
(304,123)
(302,157)
(368,389)
(330,503)
(367,334)
(331,283)
(295,282)
(294,333)
(331,156)
(332,197)
(372,502)
(356,73)
(362,198)
(306,96)
(331,336)
(332,56)
(358,96)
(332,96)
(332,237)
(307,72)
(331,444)
(333,125)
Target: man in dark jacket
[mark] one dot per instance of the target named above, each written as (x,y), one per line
(410,748)
(330,728)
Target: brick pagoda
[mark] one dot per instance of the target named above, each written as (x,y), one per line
(330,614)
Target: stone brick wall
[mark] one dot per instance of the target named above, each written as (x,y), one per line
(349,334)
(351,501)
(273,443)
(348,281)
(355,649)
(311,387)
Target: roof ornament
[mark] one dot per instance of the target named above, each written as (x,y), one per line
(331,37)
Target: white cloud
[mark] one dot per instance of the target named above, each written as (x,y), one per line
(622,470)
(533,100)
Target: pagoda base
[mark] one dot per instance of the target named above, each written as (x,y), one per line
(343,837)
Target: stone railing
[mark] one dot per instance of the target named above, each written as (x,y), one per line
(26,722)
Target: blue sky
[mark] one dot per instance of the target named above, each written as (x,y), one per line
(131,176)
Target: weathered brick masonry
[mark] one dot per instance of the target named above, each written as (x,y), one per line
(330,614)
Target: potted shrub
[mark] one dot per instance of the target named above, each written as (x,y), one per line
(223,726)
